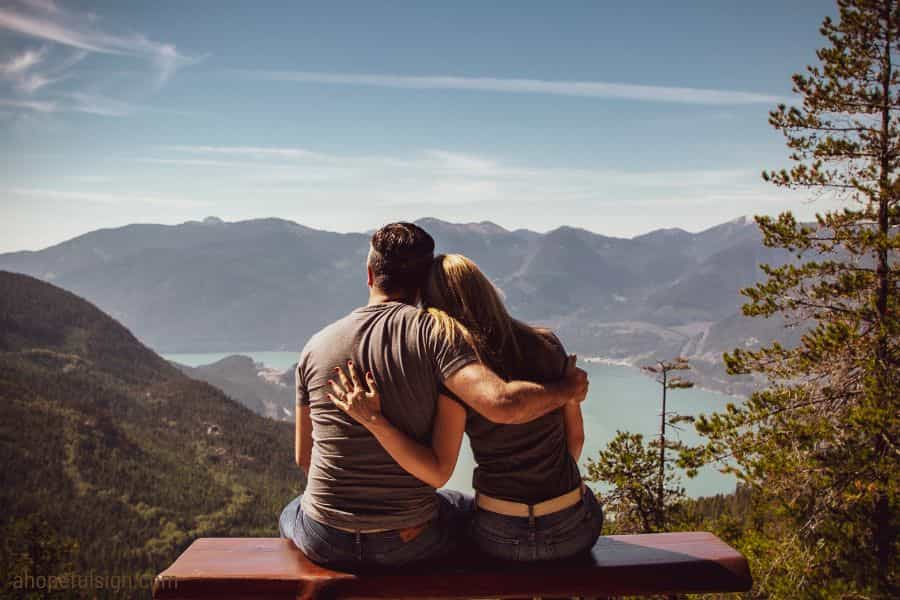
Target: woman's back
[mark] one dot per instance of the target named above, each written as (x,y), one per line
(530,462)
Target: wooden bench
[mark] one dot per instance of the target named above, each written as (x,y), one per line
(664,563)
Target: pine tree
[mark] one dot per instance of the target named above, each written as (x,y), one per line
(661,371)
(645,487)
(629,466)
(819,445)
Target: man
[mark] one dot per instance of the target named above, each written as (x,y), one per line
(360,508)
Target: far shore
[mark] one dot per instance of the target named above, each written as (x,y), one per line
(631,362)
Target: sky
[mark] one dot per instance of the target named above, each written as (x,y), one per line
(617,117)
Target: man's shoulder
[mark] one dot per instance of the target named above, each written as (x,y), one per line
(397,308)
(327,334)
(330,329)
(348,325)
(409,314)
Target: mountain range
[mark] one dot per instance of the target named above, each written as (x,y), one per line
(113,460)
(264,390)
(268,284)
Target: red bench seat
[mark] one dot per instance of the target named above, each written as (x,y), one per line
(664,563)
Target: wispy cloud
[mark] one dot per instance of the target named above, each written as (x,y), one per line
(78,31)
(21,70)
(23,61)
(107,198)
(463,162)
(80,102)
(31,105)
(353,192)
(187,162)
(435,163)
(48,6)
(439,177)
(95,104)
(95,179)
(589,89)
(33,73)
(252,152)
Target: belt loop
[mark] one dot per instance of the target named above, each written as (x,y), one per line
(532,533)
(359,552)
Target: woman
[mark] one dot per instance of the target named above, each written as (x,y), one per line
(530,502)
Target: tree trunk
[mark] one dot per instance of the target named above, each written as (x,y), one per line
(883,537)
(660,491)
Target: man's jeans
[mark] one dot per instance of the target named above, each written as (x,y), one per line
(555,536)
(352,551)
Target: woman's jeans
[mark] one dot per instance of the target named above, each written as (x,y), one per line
(351,551)
(555,536)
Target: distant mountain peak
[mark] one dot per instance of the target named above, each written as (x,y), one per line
(487,227)
(741,220)
(671,231)
(568,231)
(213,221)
(665,232)
(483,227)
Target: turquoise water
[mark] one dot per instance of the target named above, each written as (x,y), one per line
(619,398)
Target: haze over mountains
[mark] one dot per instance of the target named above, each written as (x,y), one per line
(268,284)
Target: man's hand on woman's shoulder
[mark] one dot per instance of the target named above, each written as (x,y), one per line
(513,402)
(576,379)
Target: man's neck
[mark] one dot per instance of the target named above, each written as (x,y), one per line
(377,296)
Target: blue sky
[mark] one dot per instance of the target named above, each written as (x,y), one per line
(619,117)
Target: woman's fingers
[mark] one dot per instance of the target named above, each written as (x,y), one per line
(370,382)
(337,402)
(348,387)
(353,375)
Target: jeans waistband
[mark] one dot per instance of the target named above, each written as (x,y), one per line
(357,531)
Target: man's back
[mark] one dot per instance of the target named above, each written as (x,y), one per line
(352,481)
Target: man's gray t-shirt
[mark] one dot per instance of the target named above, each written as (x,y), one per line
(352,481)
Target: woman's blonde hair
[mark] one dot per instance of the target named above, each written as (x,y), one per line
(465,303)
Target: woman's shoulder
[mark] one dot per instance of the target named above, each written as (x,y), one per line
(542,336)
(549,354)
(552,339)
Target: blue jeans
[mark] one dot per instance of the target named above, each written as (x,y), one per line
(351,551)
(559,535)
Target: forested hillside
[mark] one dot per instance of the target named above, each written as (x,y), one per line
(114,461)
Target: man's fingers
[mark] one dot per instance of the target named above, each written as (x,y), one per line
(578,379)
(583,378)
(370,382)
(353,375)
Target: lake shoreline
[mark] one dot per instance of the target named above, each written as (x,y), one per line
(631,363)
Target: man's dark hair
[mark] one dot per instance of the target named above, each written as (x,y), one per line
(401,256)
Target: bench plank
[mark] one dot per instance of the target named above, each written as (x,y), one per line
(663,563)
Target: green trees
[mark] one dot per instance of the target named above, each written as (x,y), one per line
(661,370)
(819,446)
(645,487)
(628,466)
(105,467)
